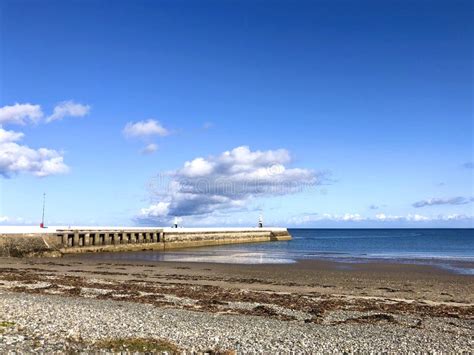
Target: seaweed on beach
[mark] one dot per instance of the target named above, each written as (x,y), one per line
(213,298)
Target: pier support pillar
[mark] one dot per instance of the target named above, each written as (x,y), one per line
(106,238)
(75,239)
(116,238)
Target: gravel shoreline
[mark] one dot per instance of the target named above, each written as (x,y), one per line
(74,305)
(50,323)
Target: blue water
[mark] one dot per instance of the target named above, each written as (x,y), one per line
(451,249)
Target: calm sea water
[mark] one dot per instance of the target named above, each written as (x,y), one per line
(451,249)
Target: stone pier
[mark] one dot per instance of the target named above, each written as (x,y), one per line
(109,239)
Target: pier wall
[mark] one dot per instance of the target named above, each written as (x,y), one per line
(182,239)
(81,240)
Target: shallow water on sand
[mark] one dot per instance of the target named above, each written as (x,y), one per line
(450,249)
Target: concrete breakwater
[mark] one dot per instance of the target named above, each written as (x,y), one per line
(59,241)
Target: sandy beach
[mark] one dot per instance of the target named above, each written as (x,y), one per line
(78,303)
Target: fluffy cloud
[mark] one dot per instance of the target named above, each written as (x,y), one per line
(150,148)
(157,210)
(459,200)
(9,136)
(409,218)
(68,109)
(20,114)
(142,129)
(16,158)
(227,182)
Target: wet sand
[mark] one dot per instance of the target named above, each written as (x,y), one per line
(406,281)
(409,281)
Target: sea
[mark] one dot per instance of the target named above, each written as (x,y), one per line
(449,249)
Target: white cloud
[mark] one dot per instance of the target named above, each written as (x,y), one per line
(205,186)
(20,114)
(409,218)
(417,218)
(379,218)
(9,136)
(385,217)
(159,209)
(16,158)
(150,148)
(453,217)
(315,217)
(197,167)
(352,217)
(147,128)
(68,109)
(28,113)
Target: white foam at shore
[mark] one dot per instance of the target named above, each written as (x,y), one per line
(239,258)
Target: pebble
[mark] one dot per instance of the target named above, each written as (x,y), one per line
(57,324)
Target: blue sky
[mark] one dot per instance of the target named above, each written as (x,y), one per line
(332,113)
